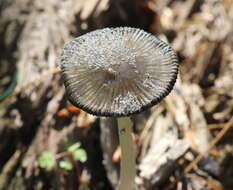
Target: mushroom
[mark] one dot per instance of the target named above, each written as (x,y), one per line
(117,72)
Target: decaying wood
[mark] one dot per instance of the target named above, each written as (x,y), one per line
(109,142)
(161,159)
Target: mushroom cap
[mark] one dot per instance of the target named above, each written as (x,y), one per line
(117,71)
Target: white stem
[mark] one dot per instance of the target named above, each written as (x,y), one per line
(128,166)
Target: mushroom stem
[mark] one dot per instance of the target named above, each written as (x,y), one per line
(128,166)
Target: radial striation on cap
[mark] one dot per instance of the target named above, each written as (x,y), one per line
(117,71)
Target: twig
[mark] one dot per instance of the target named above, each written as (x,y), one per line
(216,126)
(211,184)
(39,78)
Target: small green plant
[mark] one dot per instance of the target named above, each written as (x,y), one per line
(78,153)
(47,160)
(66,165)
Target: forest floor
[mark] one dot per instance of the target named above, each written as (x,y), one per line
(183,143)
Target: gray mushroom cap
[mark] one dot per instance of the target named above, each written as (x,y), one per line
(117,71)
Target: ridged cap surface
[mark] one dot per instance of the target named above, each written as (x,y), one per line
(117,71)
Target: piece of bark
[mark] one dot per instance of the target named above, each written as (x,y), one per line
(109,143)
(161,159)
(164,150)
(198,133)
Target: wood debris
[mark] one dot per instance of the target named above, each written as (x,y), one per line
(184,143)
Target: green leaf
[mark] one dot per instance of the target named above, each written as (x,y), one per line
(74,147)
(80,155)
(66,165)
(46,160)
